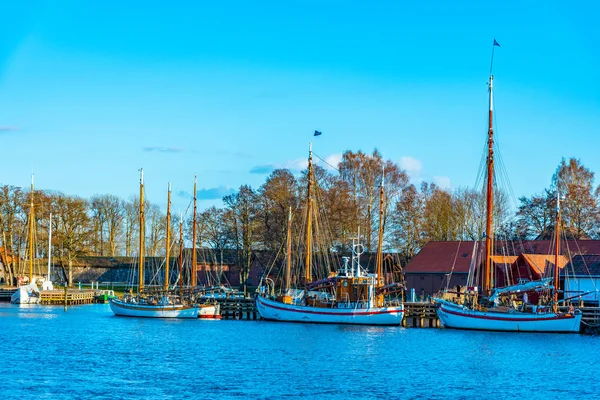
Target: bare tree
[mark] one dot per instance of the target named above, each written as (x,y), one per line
(580,211)
(10,208)
(243,206)
(72,229)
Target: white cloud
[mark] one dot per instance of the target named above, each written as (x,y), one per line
(298,164)
(442,181)
(293,165)
(412,166)
(333,160)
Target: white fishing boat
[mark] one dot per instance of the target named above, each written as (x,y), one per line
(153,305)
(350,295)
(353,298)
(491,308)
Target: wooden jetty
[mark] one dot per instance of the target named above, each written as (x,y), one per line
(6,293)
(69,297)
(420,315)
(590,321)
(238,309)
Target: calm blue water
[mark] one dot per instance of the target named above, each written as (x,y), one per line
(86,352)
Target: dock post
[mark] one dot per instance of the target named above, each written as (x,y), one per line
(65,304)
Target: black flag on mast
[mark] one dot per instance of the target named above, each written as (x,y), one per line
(317,133)
(496,43)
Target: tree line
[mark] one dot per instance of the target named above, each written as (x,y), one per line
(347,200)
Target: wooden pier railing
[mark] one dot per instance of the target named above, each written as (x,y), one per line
(6,294)
(71,297)
(238,309)
(420,315)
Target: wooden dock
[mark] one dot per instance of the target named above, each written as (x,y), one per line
(6,293)
(70,297)
(590,321)
(420,315)
(238,309)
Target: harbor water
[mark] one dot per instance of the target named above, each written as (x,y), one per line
(86,352)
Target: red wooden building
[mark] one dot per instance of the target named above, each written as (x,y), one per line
(441,265)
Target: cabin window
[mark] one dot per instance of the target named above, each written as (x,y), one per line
(465,255)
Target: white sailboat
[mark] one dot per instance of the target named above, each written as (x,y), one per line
(159,305)
(483,310)
(350,295)
(30,293)
(136,306)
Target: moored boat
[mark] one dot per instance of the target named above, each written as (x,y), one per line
(26,294)
(454,315)
(153,305)
(209,311)
(494,308)
(142,307)
(350,295)
(29,293)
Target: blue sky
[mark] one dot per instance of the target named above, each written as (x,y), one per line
(92,91)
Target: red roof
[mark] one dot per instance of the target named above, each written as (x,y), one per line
(440,257)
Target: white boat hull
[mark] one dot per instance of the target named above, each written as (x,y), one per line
(209,311)
(124,309)
(28,294)
(456,316)
(278,311)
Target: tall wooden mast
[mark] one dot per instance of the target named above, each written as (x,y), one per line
(379,298)
(181,256)
(168,241)
(288,265)
(489,234)
(308,253)
(31,225)
(49,246)
(142,233)
(193,268)
(557,253)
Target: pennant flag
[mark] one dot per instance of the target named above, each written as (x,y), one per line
(496,43)
(317,133)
